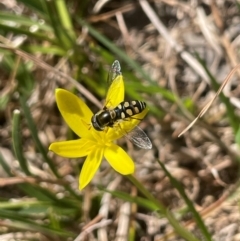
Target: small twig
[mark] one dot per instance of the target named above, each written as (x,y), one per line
(123,223)
(101,224)
(105,16)
(207,29)
(105,205)
(34,180)
(123,28)
(207,106)
(99,5)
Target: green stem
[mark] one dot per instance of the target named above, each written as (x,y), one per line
(65,18)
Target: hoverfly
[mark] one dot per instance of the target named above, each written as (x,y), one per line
(113,113)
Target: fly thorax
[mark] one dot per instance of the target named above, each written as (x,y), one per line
(112,114)
(102,119)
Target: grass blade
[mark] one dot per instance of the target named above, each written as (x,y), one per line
(17,145)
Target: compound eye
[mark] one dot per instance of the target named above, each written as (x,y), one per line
(96,124)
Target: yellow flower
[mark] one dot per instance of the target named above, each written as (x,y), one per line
(94,144)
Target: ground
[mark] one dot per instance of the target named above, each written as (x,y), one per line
(187,49)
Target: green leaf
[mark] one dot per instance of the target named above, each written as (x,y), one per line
(13,20)
(17,144)
(138,200)
(237,136)
(4,99)
(39,6)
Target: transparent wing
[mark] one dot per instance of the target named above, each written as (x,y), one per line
(115,93)
(138,137)
(114,72)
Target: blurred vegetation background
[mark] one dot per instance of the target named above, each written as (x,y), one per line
(174,55)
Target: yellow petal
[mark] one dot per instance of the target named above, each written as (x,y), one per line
(72,149)
(74,112)
(119,159)
(90,167)
(115,93)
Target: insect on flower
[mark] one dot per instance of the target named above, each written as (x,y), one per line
(115,120)
(113,114)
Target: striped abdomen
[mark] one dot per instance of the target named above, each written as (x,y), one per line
(129,108)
